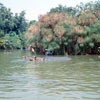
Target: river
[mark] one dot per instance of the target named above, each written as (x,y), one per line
(56,78)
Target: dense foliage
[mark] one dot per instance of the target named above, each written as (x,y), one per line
(12,28)
(67,30)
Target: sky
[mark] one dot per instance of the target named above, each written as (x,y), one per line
(34,8)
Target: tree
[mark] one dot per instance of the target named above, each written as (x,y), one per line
(68,30)
(10,23)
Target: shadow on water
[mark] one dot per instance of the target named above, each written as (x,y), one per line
(56,78)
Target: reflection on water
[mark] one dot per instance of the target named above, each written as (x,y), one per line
(74,79)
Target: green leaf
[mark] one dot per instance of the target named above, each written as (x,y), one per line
(88,39)
(66,43)
(81,45)
(70,40)
(91,44)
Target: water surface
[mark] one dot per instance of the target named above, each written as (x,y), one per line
(57,78)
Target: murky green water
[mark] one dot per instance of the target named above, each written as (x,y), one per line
(75,79)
